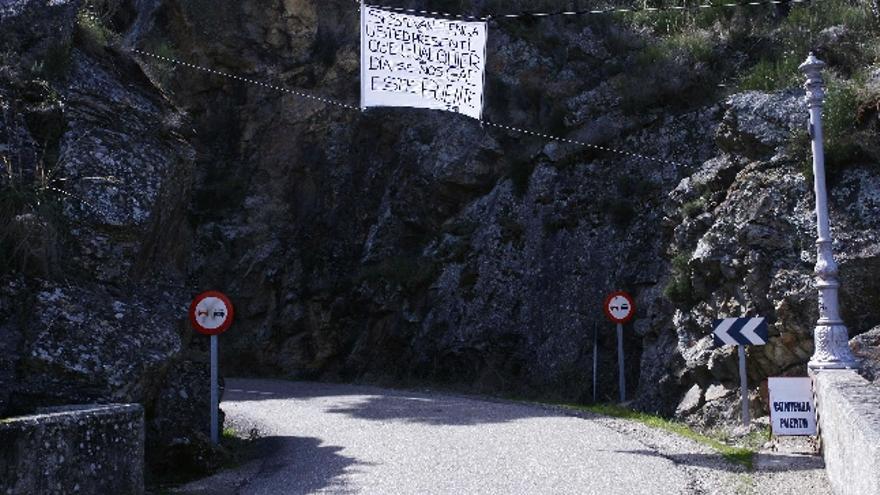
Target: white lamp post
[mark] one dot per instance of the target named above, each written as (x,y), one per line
(831,336)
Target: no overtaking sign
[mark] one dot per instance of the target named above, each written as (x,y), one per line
(211,313)
(619,307)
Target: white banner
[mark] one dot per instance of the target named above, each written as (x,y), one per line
(422,62)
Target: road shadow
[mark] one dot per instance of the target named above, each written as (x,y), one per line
(252,389)
(764,462)
(282,464)
(782,462)
(373,403)
(450,411)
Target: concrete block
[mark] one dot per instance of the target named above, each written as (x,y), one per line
(74,449)
(849,423)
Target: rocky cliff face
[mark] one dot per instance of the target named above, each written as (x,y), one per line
(746,245)
(407,245)
(402,245)
(95,241)
(399,245)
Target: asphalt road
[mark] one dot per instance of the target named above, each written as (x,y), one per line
(321,438)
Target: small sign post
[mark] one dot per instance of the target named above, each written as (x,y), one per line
(744,385)
(741,332)
(211,314)
(792,409)
(595,358)
(620,308)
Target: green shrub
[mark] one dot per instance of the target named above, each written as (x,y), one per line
(799,148)
(697,46)
(850,136)
(799,32)
(693,208)
(772,75)
(92,30)
(670,22)
(29,215)
(850,130)
(679,290)
(839,121)
(160,69)
(678,70)
(805,21)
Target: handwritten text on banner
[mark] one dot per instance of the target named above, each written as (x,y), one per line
(422,62)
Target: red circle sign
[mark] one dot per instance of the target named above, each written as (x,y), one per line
(211,313)
(619,307)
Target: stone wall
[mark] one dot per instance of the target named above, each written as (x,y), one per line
(849,422)
(76,449)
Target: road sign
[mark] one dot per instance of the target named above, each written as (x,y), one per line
(792,409)
(619,307)
(211,313)
(740,331)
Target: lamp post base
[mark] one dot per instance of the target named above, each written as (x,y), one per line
(832,349)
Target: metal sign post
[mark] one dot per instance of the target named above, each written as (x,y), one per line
(620,308)
(743,385)
(215,392)
(741,332)
(595,358)
(211,314)
(620,371)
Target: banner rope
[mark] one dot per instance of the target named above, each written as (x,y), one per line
(301,94)
(347,106)
(614,10)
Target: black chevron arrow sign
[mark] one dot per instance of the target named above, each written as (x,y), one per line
(740,331)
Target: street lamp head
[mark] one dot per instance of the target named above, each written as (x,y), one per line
(812,68)
(812,65)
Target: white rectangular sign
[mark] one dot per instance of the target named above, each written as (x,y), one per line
(422,62)
(792,409)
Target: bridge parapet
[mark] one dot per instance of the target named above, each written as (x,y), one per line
(849,423)
(74,449)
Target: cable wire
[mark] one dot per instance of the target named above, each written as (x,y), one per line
(347,106)
(612,10)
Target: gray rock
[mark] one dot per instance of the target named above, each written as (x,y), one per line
(716,392)
(757,124)
(105,169)
(37,30)
(866,347)
(691,402)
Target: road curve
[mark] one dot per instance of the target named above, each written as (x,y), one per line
(322,438)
